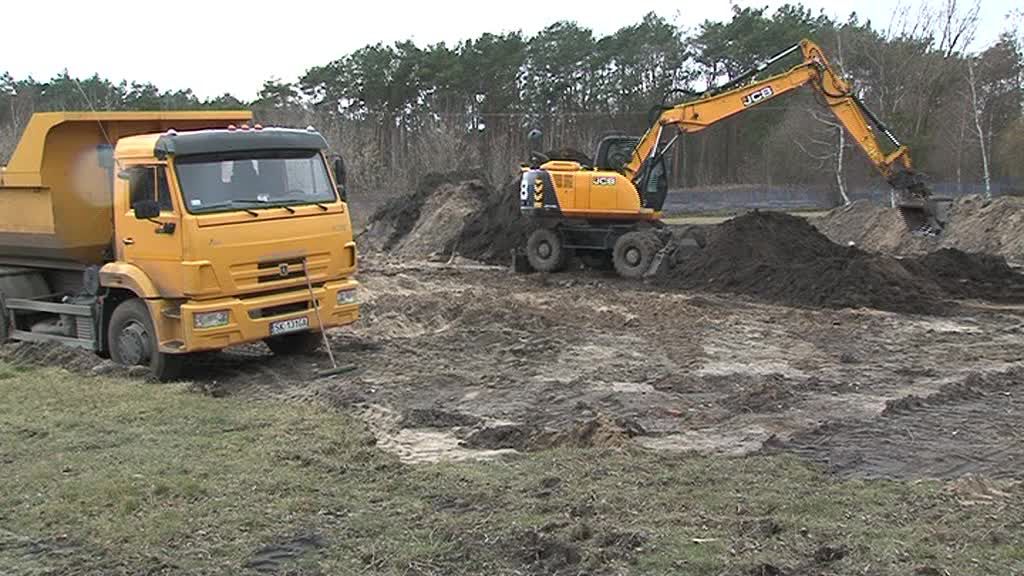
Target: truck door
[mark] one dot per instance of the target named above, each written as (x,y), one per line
(154,245)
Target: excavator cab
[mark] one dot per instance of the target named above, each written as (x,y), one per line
(614,152)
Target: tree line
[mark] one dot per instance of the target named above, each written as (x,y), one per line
(399,110)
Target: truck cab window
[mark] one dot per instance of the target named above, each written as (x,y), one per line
(163,190)
(150,183)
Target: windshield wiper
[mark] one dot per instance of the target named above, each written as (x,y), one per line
(320,205)
(232,203)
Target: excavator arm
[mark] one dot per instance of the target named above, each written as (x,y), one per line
(740,95)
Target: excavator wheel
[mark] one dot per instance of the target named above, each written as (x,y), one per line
(634,253)
(545,250)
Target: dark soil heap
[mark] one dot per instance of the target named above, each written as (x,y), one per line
(497,228)
(393,221)
(783,258)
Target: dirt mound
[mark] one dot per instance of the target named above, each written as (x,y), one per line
(449,212)
(491,233)
(41,354)
(873,227)
(428,221)
(976,225)
(785,259)
(973,275)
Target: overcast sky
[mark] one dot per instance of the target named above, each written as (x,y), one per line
(218,46)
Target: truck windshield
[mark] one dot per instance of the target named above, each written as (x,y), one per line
(253,179)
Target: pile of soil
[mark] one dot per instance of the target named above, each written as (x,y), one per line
(451,212)
(428,221)
(964,275)
(492,232)
(783,258)
(49,355)
(976,225)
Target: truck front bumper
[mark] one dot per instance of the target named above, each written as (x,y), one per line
(249,319)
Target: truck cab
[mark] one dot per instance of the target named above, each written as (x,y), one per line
(215,236)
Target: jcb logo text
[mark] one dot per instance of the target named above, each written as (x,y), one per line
(758,97)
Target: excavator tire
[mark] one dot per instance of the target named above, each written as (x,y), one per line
(634,253)
(545,250)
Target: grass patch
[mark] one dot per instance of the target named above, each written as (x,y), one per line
(112,476)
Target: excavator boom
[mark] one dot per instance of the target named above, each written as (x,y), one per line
(740,95)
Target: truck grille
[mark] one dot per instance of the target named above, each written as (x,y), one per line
(283,272)
(290,268)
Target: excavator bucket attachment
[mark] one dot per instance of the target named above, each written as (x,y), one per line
(923,214)
(922,217)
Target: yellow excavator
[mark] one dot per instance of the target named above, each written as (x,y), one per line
(609,213)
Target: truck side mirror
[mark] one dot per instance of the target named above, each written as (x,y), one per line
(146,209)
(341,177)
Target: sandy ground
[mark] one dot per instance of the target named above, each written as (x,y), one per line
(469,361)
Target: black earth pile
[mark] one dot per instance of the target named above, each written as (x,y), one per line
(399,216)
(497,228)
(965,275)
(783,258)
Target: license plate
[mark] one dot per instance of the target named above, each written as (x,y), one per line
(286,326)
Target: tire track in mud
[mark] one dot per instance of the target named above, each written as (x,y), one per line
(966,428)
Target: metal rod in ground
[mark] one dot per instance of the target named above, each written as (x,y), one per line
(319,322)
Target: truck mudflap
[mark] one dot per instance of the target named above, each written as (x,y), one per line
(216,324)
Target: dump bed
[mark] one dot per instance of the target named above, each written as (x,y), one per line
(56,191)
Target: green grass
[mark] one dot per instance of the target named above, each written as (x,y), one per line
(112,476)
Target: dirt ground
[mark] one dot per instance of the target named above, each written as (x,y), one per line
(468,361)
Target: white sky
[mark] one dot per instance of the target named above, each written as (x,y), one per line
(217,46)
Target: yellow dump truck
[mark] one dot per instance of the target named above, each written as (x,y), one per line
(146,236)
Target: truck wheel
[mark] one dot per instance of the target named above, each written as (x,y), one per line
(294,344)
(545,251)
(132,341)
(634,252)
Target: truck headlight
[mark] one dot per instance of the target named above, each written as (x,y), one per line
(346,297)
(210,319)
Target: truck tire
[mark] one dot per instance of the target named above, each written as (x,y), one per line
(634,252)
(295,344)
(545,251)
(132,341)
